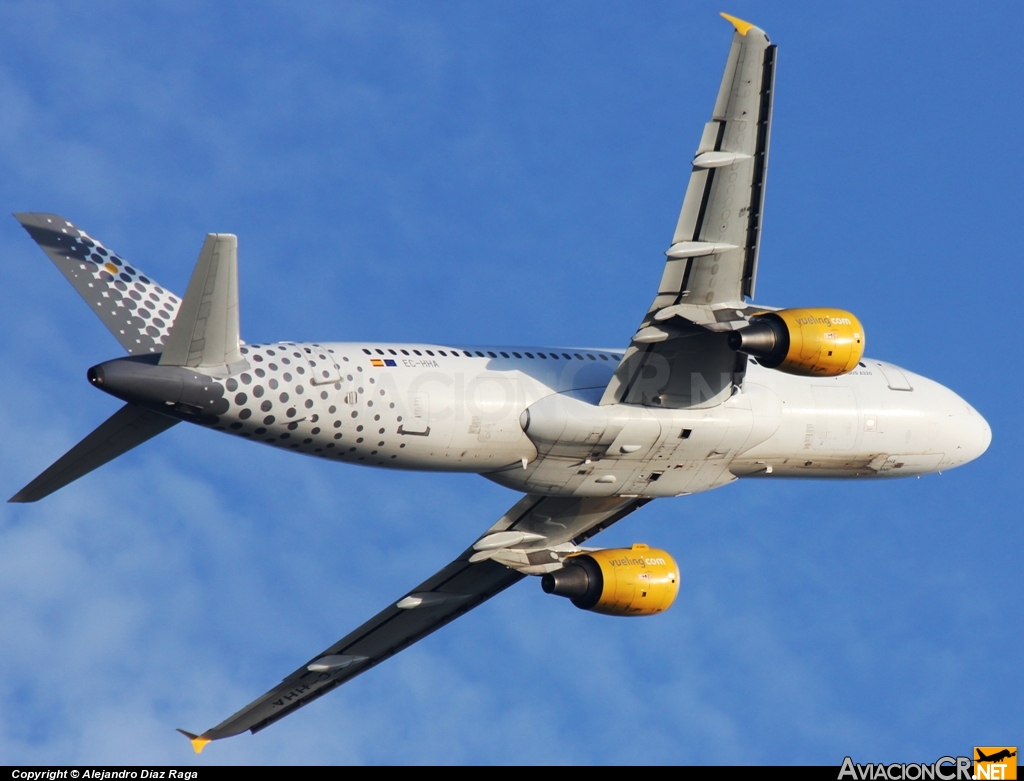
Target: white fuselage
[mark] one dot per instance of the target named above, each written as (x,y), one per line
(533,423)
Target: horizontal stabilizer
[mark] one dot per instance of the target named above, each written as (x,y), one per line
(134,308)
(128,427)
(205,333)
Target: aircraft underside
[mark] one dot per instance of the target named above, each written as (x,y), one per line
(710,388)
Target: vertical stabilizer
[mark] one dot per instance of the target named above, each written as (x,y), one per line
(205,332)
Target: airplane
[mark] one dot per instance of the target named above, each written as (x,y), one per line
(997,757)
(711,388)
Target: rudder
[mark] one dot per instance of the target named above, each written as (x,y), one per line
(205,333)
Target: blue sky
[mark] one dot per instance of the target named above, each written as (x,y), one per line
(503,174)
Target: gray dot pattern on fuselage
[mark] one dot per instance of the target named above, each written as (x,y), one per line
(276,402)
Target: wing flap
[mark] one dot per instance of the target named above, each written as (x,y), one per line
(725,194)
(679,356)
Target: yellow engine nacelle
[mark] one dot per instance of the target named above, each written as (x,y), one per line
(635,581)
(808,342)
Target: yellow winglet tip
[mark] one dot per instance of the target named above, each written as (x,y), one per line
(741,27)
(198,741)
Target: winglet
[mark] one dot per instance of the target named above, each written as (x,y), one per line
(741,27)
(197,741)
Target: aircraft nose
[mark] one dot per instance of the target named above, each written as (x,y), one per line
(980,434)
(970,434)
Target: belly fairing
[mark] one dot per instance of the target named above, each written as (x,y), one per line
(589,450)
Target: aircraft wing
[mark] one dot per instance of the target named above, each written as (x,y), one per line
(679,355)
(530,538)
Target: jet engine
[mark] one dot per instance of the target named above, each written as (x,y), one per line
(807,342)
(635,581)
